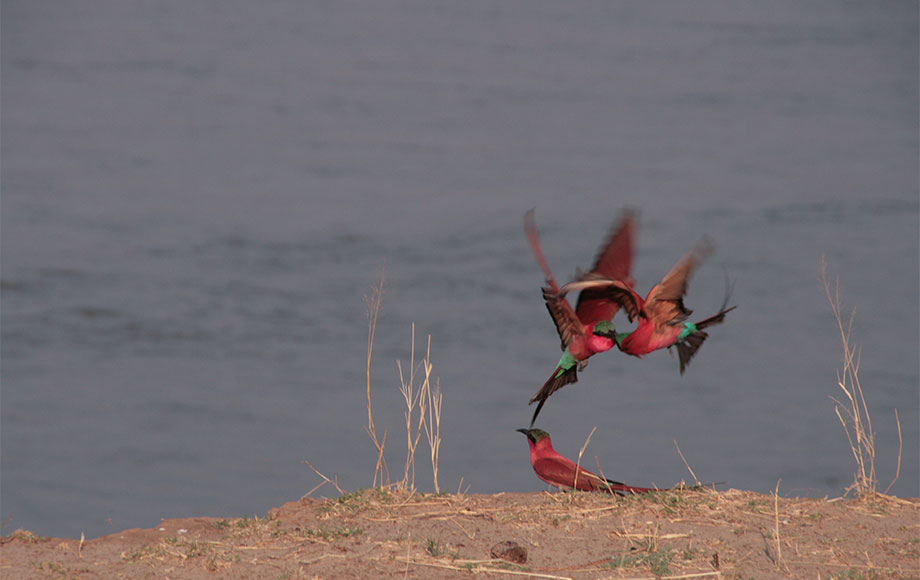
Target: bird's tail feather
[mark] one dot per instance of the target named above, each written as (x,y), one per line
(618,488)
(716,318)
(553,384)
(719,316)
(688,347)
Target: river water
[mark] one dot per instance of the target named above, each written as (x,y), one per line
(197,197)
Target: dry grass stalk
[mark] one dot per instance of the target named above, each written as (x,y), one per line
(897,471)
(372,302)
(428,401)
(412,399)
(696,480)
(433,424)
(777,544)
(600,470)
(580,453)
(480,567)
(854,414)
(326,480)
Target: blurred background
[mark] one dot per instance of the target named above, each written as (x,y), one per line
(197,197)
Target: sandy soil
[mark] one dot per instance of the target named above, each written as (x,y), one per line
(380,534)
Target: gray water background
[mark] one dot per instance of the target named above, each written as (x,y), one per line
(196,197)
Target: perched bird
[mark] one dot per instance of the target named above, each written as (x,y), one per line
(588,329)
(558,471)
(662,315)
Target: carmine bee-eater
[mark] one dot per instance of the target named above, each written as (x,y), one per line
(560,472)
(662,315)
(588,329)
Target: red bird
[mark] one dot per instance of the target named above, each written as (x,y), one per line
(588,329)
(560,472)
(662,315)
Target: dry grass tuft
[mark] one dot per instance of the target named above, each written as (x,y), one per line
(427,400)
(433,424)
(419,394)
(854,413)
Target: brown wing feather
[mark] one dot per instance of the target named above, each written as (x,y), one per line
(530,229)
(614,262)
(615,292)
(614,259)
(664,303)
(567,323)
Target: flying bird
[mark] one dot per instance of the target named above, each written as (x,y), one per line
(662,315)
(588,329)
(560,472)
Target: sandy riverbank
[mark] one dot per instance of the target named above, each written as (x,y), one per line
(377,534)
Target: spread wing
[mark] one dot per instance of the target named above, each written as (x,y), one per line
(567,323)
(665,302)
(604,297)
(613,262)
(614,258)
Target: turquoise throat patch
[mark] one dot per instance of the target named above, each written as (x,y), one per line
(689,328)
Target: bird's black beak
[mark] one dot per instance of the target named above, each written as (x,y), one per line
(524,431)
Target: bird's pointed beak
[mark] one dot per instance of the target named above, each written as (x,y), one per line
(524,431)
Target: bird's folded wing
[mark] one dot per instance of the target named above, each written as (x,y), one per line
(561,472)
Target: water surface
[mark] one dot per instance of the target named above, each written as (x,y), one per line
(197,198)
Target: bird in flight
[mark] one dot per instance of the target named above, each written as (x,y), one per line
(662,315)
(588,328)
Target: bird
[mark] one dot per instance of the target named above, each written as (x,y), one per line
(662,316)
(560,472)
(588,329)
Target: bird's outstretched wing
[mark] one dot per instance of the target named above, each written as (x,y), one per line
(664,303)
(607,296)
(567,323)
(613,262)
